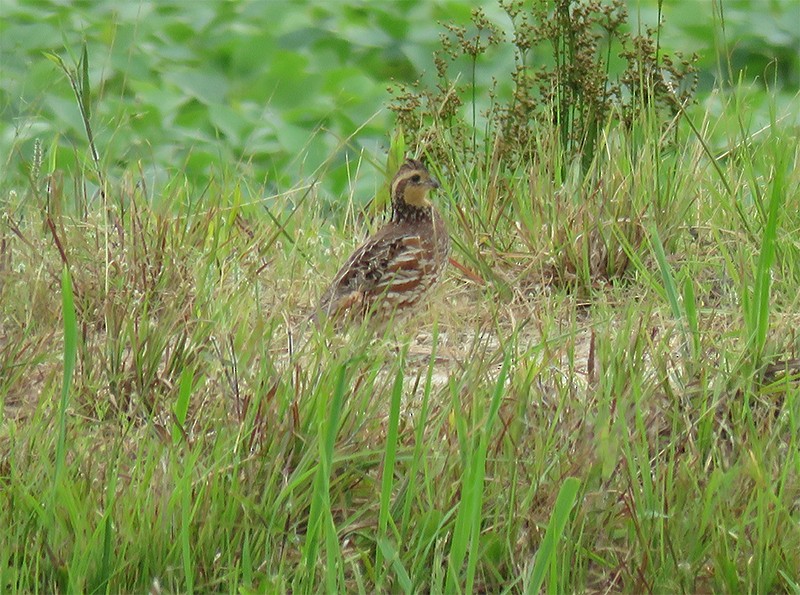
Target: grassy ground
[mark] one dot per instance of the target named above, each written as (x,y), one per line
(604,399)
(602,396)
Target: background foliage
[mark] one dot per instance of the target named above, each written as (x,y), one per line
(271,90)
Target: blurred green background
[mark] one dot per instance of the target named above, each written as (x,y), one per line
(269,90)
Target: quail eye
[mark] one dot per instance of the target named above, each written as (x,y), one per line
(415,178)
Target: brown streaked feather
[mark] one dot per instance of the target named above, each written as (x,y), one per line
(393,269)
(370,272)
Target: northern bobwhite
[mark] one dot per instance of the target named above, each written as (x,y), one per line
(389,274)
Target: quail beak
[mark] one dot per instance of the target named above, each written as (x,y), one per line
(434,183)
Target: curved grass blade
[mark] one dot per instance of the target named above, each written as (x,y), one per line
(555,529)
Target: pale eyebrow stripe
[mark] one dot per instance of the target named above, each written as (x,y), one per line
(403,178)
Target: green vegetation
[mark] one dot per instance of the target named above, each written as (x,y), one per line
(602,395)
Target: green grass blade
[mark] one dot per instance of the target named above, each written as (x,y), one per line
(186,525)
(467,524)
(555,529)
(182,405)
(759,316)
(387,480)
(105,565)
(390,554)
(319,518)
(83,66)
(690,309)
(666,273)
(419,430)
(70,351)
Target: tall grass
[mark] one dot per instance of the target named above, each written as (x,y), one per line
(601,397)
